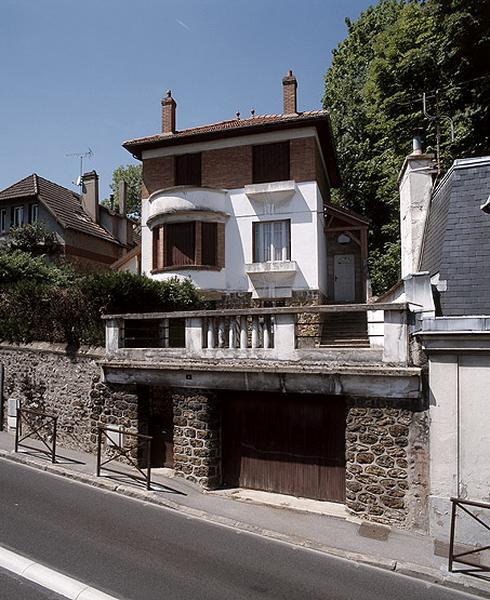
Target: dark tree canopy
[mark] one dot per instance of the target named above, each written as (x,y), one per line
(393,53)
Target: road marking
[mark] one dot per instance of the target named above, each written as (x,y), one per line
(49,578)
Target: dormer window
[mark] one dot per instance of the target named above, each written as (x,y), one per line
(271,162)
(188,169)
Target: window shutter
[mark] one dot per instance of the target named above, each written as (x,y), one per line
(209,240)
(180,244)
(188,169)
(271,162)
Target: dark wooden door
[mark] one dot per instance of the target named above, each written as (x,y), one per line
(290,444)
(160,427)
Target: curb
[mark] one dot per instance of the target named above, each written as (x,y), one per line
(450,580)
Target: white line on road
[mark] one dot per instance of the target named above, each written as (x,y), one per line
(49,578)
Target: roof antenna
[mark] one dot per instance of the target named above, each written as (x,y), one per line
(81,156)
(437,118)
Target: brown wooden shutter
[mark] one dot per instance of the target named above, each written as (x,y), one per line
(220,237)
(188,169)
(271,162)
(180,242)
(209,241)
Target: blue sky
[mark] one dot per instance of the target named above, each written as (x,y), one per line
(76,74)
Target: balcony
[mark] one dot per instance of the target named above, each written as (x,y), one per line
(262,334)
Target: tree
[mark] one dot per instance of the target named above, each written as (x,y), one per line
(393,53)
(34,238)
(131,174)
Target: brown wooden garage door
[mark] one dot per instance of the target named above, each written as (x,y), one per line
(290,444)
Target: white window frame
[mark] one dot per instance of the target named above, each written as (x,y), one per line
(3,220)
(18,216)
(272,241)
(34,213)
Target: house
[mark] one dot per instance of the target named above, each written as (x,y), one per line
(242,207)
(447,250)
(279,387)
(91,236)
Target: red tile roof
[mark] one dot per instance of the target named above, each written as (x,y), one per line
(234,124)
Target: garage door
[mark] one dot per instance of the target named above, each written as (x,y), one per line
(290,444)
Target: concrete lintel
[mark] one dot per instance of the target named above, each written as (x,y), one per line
(403,386)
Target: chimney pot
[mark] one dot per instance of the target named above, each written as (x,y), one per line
(123,194)
(289,86)
(168,113)
(416,144)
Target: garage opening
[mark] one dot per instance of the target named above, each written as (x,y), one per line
(285,443)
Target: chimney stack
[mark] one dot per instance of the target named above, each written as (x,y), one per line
(90,195)
(289,85)
(123,197)
(168,114)
(415,186)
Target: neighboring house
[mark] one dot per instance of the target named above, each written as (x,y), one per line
(242,208)
(260,393)
(445,255)
(91,236)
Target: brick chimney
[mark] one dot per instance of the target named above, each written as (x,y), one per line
(289,85)
(90,194)
(168,114)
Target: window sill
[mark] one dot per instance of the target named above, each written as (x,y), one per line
(280,266)
(277,191)
(186,268)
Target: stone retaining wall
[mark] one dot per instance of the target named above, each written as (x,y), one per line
(387,462)
(44,377)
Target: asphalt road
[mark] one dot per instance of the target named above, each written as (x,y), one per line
(12,586)
(137,551)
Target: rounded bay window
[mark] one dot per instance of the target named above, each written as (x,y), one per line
(188,229)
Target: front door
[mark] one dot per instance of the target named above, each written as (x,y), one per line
(344,278)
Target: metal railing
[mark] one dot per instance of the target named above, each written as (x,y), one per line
(461,557)
(121,451)
(41,426)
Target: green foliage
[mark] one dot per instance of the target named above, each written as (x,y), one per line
(131,174)
(34,238)
(395,51)
(46,302)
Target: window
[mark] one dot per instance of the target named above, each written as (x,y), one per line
(17,217)
(188,169)
(271,162)
(33,213)
(3,220)
(272,241)
(195,243)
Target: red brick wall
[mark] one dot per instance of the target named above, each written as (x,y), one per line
(302,154)
(158,173)
(227,167)
(232,167)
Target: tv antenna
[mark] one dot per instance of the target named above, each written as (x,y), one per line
(81,156)
(437,118)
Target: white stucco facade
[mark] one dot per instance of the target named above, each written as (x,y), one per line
(299,203)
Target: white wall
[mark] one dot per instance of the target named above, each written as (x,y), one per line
(308,250)
(459,439)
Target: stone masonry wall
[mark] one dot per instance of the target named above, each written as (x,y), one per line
(44,377)
(197,441)
(387,462)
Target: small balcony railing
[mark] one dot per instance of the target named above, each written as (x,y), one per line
(276,333)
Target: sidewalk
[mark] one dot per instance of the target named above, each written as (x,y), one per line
(316,525)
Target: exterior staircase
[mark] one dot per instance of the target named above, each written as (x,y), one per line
(345,330)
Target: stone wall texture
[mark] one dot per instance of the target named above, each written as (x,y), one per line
(386,462)
(197,439)
(44,377)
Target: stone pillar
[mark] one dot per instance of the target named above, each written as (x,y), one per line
(385,447)
(197,438)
